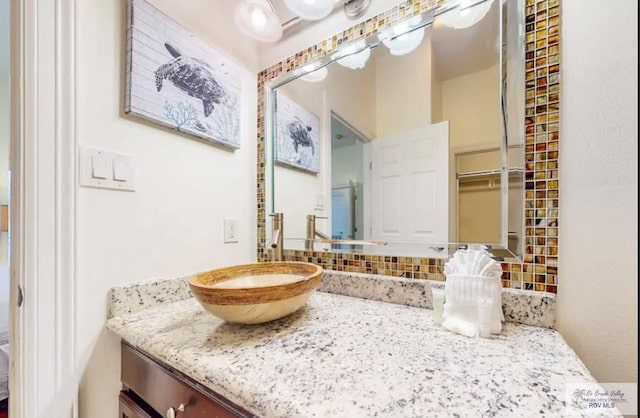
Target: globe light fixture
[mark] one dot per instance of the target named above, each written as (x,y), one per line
(353,56)
(312,74)
(310,9)
(465,15)
(404,37)
(256,19)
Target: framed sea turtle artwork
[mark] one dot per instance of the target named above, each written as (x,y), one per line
(176,80)
(297,139)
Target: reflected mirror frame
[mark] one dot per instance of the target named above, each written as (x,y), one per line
(499,250)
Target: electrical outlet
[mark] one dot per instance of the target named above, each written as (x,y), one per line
(230,230)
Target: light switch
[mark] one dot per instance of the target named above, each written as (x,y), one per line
(121,169)
(106,170)
(99,164)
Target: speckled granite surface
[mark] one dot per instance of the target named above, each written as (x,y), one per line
(134,297)
(341,356)
(520,306)
(524,307)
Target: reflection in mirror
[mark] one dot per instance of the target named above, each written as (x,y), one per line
(400,138)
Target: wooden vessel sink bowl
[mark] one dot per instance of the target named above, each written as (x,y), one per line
(256,293)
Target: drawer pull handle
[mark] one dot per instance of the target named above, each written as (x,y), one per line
(171,412)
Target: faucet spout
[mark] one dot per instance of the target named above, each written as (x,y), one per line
(277,236)
(274,239)
(322,235)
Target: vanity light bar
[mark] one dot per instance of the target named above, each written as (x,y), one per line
(296,22)
(426,19)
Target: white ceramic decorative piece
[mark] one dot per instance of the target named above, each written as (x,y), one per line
(472,288)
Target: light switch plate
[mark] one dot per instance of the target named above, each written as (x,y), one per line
(230,230)
(319,206)
(106,170)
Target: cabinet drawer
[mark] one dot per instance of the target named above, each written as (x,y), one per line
(133,407)
(163,388)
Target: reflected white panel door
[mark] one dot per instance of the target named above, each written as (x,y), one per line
(341,210)
(410,186)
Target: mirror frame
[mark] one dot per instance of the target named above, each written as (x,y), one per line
(538,268)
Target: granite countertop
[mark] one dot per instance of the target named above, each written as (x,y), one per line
(344,356)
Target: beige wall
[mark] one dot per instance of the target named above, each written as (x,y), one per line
(597,306)
(403,82)
(172,224)
(436,94)
(478,198)
(479,212)
(471,103)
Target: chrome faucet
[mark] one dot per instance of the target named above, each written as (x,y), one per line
(277,236)
(312,233)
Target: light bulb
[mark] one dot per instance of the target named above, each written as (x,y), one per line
(405,43)
(258,19)
(351,49)
(310,9)
(355,61)
(401,27)
(466,15)
(311,73)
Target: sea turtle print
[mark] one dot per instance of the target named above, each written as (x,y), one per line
(194,77)
(300,135)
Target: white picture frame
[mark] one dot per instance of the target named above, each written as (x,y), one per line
(176,80)
(297,142)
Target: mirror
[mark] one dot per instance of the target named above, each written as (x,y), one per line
(411,138)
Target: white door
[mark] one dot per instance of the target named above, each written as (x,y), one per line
(410,186)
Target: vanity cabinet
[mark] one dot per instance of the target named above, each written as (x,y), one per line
(154,390)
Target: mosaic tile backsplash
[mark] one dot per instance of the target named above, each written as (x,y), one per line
(539,269)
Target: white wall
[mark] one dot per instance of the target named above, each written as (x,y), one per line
(4,156)
(347,165)
(4,194)
(4,119)
(598,272)
(172,224)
